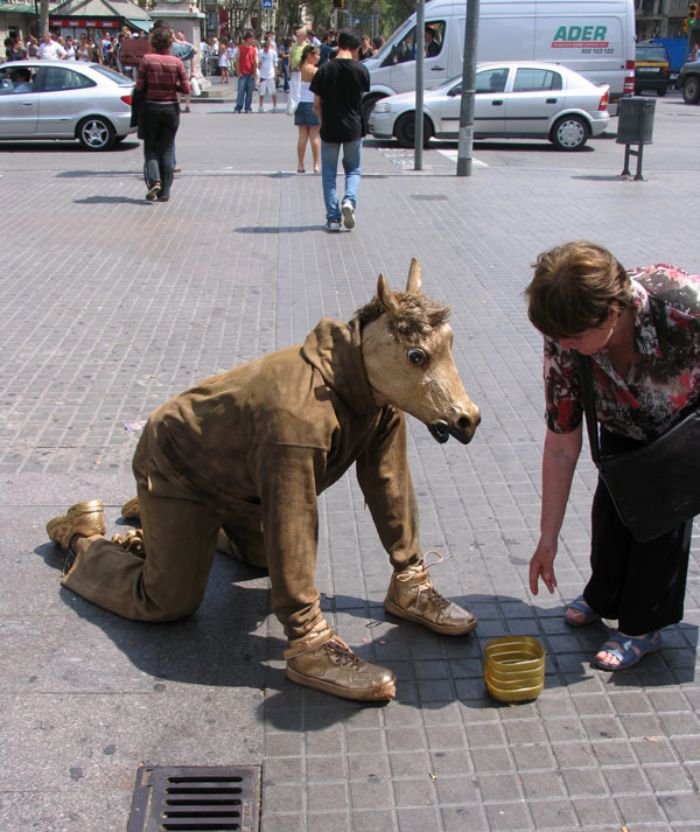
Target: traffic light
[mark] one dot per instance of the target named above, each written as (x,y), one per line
(692,9)
(338,4)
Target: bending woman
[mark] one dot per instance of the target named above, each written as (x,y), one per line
(161,77)
(641,330)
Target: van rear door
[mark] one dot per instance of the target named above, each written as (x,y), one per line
(590,43)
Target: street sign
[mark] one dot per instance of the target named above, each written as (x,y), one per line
(267,4)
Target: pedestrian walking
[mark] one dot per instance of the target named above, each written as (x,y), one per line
(246,69)
(338,88)
(300,41)
(283,55)
(50,50)
(186,52)
(161,78)
(267,65)
(225,62)
(305,118)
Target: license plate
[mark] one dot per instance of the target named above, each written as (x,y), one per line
(648,70)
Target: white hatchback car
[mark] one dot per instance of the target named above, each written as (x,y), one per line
(514,100)
(64,100)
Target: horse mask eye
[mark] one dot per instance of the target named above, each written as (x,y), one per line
(416,357)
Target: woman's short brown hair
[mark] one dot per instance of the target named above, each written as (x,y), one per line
(573,288)
(161,39)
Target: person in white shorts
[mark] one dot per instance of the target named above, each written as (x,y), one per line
(267,64)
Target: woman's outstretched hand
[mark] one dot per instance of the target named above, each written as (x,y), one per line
(542,566)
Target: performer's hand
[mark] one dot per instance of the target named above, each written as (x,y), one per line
(542,566)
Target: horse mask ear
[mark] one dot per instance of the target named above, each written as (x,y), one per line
(386,297)
(414,282)
(414,286)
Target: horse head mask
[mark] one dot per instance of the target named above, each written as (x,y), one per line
(407,352)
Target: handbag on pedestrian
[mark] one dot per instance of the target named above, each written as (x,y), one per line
(656,487)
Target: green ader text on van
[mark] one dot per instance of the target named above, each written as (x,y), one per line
(580,36)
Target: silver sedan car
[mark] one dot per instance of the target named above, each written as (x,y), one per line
(64,100)
(514,100)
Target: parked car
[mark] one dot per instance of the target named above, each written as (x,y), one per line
(64,100)
(652,68)
(688,81)
(514,100)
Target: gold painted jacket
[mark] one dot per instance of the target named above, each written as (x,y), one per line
(261,441)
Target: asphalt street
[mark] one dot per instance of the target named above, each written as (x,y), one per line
(111,305)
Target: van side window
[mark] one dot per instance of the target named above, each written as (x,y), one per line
(405,49)
(491,80)
(536,80)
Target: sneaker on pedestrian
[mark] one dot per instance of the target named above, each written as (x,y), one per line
(348,210)
(333,225)
(153,191)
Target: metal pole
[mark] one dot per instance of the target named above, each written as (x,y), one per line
(420,52)
(466,113)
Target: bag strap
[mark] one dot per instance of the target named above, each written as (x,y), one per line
(586,379)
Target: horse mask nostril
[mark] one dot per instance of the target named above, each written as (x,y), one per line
(464,423)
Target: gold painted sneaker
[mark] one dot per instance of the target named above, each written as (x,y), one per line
(131,509)
(83,518)
(412,596)
(333,668)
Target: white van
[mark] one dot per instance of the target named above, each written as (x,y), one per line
(595,37)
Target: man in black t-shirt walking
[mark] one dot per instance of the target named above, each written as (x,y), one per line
(338,88)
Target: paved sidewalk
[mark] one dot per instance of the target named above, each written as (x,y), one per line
(111,305)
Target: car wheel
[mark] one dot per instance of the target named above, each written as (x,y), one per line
(691,90)
(405,130)
(570,133)
(95,133)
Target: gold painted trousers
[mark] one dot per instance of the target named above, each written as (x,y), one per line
(180,539)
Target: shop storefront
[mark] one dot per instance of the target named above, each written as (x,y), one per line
(99,17)
(17,20)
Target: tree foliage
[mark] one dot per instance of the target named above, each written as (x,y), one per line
(290,14)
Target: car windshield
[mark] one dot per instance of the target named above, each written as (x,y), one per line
(457,81)
(112,75)
(388,44)
(651,53)
(445,86)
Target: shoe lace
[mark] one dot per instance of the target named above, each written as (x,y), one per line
(341,654)
(425,588)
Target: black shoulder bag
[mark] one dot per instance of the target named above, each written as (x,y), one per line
(654,488)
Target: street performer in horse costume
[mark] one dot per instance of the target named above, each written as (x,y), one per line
(242,457)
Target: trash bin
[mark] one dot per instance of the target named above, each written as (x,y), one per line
(635,120)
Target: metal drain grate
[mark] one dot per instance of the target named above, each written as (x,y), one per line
(195,799)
